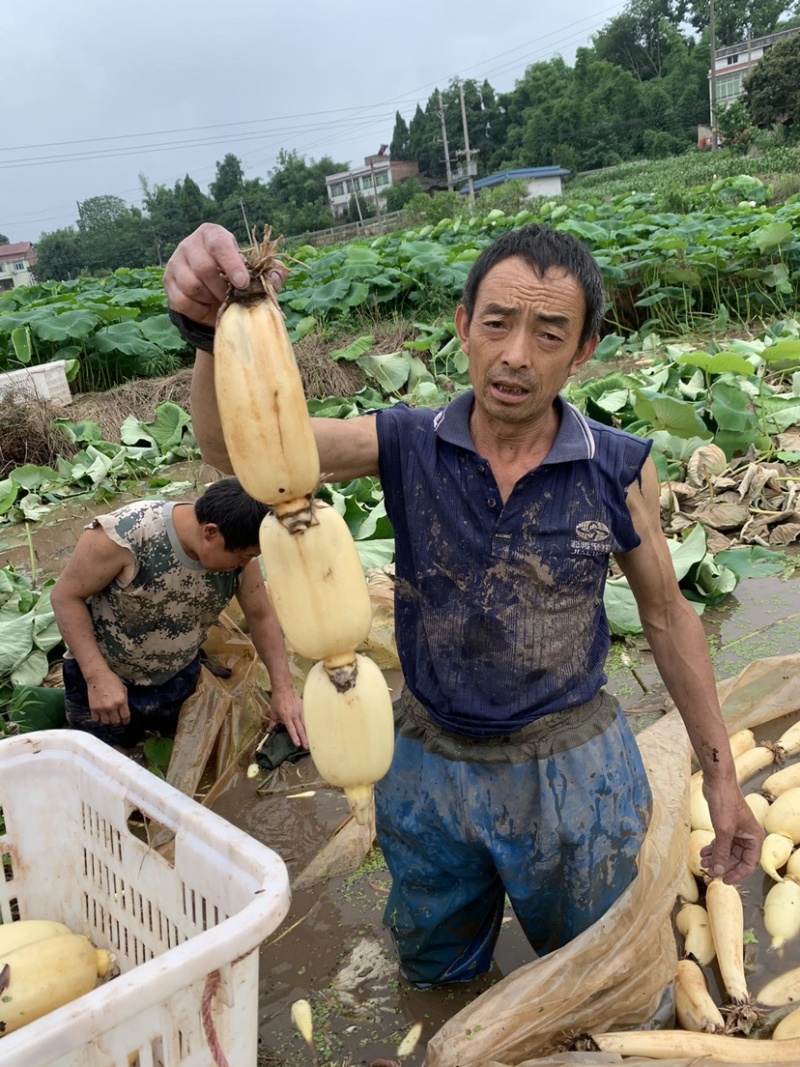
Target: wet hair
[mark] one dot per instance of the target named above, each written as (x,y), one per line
(543,249)
(236,515)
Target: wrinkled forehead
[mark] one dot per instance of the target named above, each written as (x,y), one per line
(515,283)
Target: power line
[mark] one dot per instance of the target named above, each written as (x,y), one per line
(114,153)
(181,129)
(410,96)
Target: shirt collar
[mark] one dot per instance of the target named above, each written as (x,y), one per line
(574,439)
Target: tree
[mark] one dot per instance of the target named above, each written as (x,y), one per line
(297,194)
(397,196)
(173,213)
(58,256)
(251,202)
(733,122)
(193,205)
(359,208)
(4,240)
(772,89)
(734,18)
(100,212)
(229,179)
(425,140)
(113,235)
(480,105)
(638,39)
(398,149)
(618,42)
(163,210)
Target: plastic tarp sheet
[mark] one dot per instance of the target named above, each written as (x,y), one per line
(613,976)
(221,721)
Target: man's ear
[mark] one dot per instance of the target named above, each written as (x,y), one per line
(210,531)
(584,354)
(462,327)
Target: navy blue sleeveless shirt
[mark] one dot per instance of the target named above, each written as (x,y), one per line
(499,612)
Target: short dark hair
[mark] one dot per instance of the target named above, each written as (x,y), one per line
(236,515)
(543,249)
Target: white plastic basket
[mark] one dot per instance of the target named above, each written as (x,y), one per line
(185,935)
(47,381)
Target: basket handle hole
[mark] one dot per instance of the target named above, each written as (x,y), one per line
(153,833)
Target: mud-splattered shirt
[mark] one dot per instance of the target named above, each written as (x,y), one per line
(499,611)
(151,620)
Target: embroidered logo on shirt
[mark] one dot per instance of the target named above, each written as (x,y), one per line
(593,536)
(592,530)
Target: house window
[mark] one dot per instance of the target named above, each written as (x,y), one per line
(731,60)
(382,178)
(19,264)
(366,183)
(729,86)
(336,189)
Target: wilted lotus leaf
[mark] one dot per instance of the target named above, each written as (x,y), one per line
(788,442)
(784,533)
(754,480)
(673,493)
(706,462)
(723,516)
(677,522)
(727,497)
(755,532)
(683,490)
(717,542)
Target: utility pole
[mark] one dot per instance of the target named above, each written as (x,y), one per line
(377,198)
(713,46)
(467,152)
(355,193)
(441,113)
(250,235)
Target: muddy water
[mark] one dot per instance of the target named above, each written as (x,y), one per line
(332,948)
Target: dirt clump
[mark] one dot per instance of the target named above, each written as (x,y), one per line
(29,434)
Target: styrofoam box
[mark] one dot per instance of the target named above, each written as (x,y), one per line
(48,381)
(185,934)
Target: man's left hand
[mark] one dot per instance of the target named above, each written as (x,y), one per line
(736,849)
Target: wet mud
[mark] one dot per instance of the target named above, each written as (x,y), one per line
(332,948)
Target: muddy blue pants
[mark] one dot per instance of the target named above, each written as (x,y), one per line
(153,707)
(559,835)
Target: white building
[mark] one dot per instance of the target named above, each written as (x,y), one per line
(16,265)
(372,180)
(733,63)
(541,181)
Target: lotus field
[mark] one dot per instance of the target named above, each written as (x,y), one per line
(701,326)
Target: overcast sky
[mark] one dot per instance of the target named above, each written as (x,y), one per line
(98,92)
